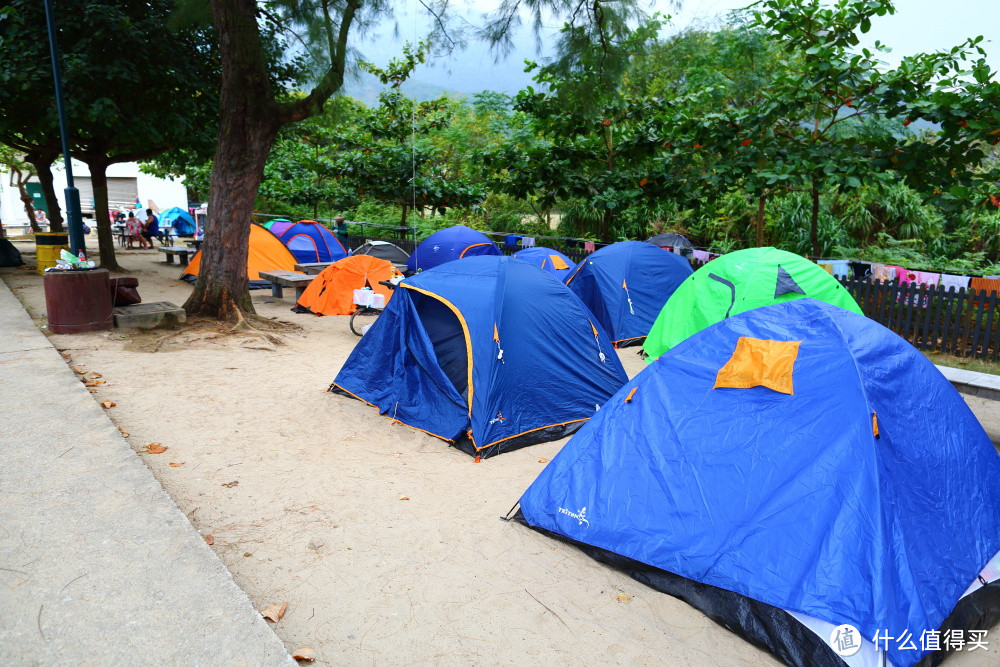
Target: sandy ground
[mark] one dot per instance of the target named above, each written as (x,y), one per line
(387,544)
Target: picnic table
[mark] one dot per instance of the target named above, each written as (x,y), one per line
(312,268)
(183,253)
(279,279)
(194,243)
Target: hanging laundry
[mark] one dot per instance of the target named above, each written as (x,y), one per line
(984,284)
(511,240)
(528,242)
(841,268)
(861,270)
(588,246)
(950,281)
(826,266)
(700,256)
(885,272)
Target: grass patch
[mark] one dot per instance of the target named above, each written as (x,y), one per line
(965,363)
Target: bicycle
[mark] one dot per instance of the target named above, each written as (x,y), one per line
(368,314)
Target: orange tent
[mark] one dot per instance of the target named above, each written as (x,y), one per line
(266,253)
(332,291)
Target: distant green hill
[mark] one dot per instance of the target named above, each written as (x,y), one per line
(367,89)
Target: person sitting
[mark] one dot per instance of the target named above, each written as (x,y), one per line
(133,232)
(151,229)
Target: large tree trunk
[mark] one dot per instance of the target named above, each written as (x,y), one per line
(249,122)
(43,167)
(814,218)
(105,239)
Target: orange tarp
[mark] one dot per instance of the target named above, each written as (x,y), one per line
(266,253)
(332,291)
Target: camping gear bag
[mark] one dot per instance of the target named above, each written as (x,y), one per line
(124,292)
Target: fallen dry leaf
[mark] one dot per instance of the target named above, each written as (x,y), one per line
(542,459)
(624,598)
(247,554)
(155,448)
(177,464)
(274,612)
(404,498)
(94,375)
(209,540)
(231,484)
(89,383)
(124,432)
(108,404)
(78,370)
(304,653)
(99,381)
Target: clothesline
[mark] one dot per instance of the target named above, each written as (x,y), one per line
(843,268)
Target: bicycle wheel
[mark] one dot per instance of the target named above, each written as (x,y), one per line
(361,317)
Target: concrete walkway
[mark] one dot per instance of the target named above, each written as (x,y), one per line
(97,564)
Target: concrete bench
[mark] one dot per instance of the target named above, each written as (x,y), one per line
(279,279)
(312,268)
(159,314)
(183,253)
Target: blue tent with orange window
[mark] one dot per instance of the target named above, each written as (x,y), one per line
(626,284)
(489,354)
(310,241)
(448,244)
(789,470)
(548,259)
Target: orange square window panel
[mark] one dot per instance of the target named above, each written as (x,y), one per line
(760,363)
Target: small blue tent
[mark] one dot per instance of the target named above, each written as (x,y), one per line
(449,244)
(310,241)
(869,495)
(489,354)
(179,219)
(626,284)
(551,260)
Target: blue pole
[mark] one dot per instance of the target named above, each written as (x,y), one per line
(74,219)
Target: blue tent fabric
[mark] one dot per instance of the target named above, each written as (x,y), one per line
(626,284)
(310,241)
(449,244)
(791,500)
(542,258)
(488,353)
(179,219)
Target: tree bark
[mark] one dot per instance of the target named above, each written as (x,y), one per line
(26,200)
(814,218)
(106,241)
(43,167)
(249,123)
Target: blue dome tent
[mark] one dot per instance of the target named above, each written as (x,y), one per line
(179,219)
(489,354)
(799,467)
(449,244)
(551,260)
(310,241)
(626,284)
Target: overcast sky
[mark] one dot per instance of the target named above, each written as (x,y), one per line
(917,26)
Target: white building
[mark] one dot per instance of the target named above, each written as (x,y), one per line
(125,184)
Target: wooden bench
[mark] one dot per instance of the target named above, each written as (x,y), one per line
(280,279)
(312,268)
(183,253)
(194,243)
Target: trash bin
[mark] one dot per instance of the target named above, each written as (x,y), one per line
(78,301)
(47,247)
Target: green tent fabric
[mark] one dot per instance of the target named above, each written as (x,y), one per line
(735,283)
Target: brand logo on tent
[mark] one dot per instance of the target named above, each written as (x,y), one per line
(436,247)
(498,419)
(845,640)
(580,516)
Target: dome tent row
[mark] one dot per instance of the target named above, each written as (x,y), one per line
(737,282)
(448,244)
(548,259)
(489,354)
(265,252)
(310,241)
(785,512)
(332,291)
(626,284)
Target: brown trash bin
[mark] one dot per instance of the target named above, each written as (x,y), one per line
(78,301)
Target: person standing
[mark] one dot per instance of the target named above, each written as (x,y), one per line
(151,228)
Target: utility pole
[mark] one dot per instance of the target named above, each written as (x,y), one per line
(73,217)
